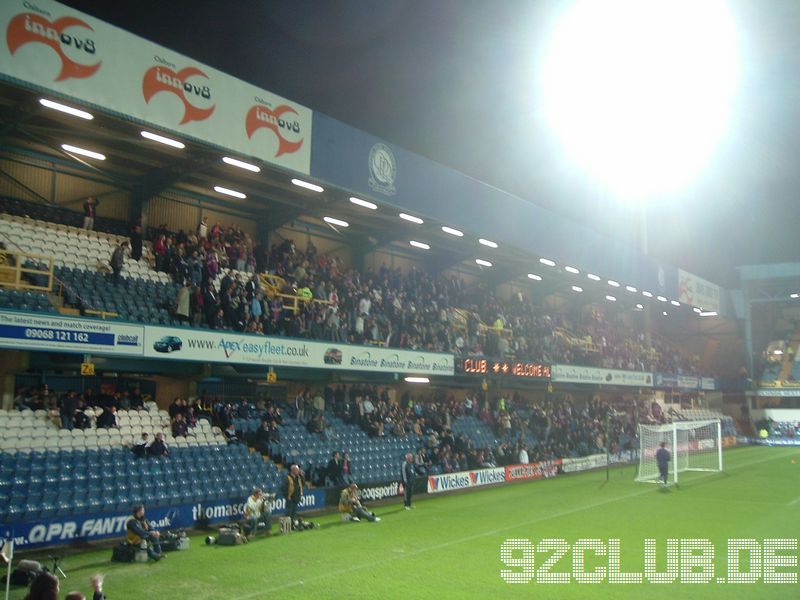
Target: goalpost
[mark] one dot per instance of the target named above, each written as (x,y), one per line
(693,446)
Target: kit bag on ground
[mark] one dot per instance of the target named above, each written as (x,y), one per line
(123,552)
(230,536)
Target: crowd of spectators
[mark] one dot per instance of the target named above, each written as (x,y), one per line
(389,307)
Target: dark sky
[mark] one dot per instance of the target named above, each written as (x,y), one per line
(451,80)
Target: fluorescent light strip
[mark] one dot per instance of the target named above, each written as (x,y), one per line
(83,152)
(75,112)
(417,380)
(489,243)
(674,303)
(577,288)
(483,263)
(640,307)
(661,298)
(421,245)
(631,289)
(534,276)
(411,218)
(241,164)
(452,231)
(697,310)
(794,295)
(708,313)
(229,192)
(593,277)
(163,140)
(572,270)
(334,221)
(665,313)
(364,203)
(647,294)
(613,283)
(611,298)
(309,186)
(548,262)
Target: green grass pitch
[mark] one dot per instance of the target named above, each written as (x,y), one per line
(449,547)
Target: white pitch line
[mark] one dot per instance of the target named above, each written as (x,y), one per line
(795,501)
(558,515)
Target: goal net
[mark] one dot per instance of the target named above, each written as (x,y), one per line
(693,446)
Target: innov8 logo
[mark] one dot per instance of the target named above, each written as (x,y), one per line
(165,79)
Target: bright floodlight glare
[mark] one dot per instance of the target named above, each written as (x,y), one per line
(630,288)
(613,283)
(572,270)
(640,306)
(639,94)
(647,294)
(708,313)
(364,203)
(611,298)
(674,303)
(548,262)
(593,277)
(411,218)
(334,221)
(697,310)
(452,231)
(83,151)
(577,288)
(420,245)
(309,186)
(483,263)
(75,112)
(229,192)
(488,243)
(665,313)
(417,380)
(661,298)
(794,295)
(534,276)
(241,164)
(163,140)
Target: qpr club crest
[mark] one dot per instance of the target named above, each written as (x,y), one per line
(382,169)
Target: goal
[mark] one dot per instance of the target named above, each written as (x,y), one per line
(693,446)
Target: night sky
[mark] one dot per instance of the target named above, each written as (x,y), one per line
(453,80)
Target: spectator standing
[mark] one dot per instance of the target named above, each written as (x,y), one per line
(136,242)
(407,475)
(294,492)
(118,261)
(89,212)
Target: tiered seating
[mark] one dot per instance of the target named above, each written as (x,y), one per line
(58,214)
(372,459)
(784,430)
(26,300)
(476,430)
(27,431)
(45,483)
(702,414)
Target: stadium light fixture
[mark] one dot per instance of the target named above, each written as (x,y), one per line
(794,295)
(631,289)
(613,283)
(778,352)
(75,112)
(640,307)
(577,288)
(452,231)
(483,263)
(708,313)
(417,380)
(309,186)
(697,310)
(229,192)
(334,221)
(572,270)
(674,303)
(534,277)
(661,298)
(593,277)
(420,245)
(163,140)
(411,218)
(611,298)
(665,313)
(548,262)
(235,162)
(641,122)
(363,203)
(488,243)
(647,294)
(83,151)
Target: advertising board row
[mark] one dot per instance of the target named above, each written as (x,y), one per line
(449,482)
(93,527)
(53,47)
(90,336)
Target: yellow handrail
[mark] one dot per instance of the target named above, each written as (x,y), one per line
(12,271)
